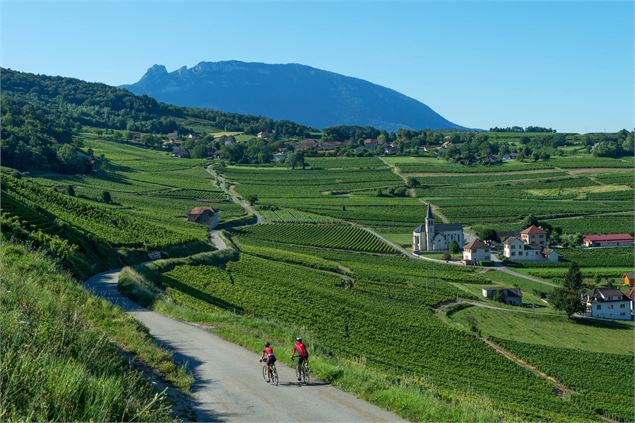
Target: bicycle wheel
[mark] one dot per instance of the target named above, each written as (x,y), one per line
(264,373)
(274,376)
(305,373)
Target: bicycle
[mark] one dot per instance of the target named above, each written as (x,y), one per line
(303,374)
(273,378)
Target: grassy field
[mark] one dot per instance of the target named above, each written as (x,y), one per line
(61,350)
(554,331)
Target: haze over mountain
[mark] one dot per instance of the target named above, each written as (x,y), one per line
(295,92)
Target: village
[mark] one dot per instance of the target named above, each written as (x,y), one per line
(529,245)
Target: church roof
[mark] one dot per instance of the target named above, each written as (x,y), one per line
(419,228)
(447,227)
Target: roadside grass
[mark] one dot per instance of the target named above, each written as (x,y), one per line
(555,331)
(409,397)
(61,350)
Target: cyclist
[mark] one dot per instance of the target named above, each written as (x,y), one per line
(303,354)
(268,357)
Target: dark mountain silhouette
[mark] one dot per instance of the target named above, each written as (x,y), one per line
(295,92)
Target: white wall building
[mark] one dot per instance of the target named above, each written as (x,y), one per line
(475,252)
(436,237)
(607,303)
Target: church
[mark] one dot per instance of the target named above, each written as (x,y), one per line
(436,237)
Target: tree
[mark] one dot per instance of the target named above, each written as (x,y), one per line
(566,300)
(296,159)
(198,151)
(105,196)
(412,182)
(447,256)
(489,235)
(573,279)
(454,247)
(530,220)
(70,190)
(253,199)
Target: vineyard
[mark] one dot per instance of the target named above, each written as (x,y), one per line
(353,319)
(342,237)
(601,383)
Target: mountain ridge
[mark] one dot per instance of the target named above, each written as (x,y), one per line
(291,91)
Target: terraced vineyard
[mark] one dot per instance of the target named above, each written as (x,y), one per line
(343,237)
(606,389)
(351,318)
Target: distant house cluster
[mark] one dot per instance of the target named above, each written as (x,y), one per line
(531,246)
(436,237)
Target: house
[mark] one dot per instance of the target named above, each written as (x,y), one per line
(630,294)
(629,279)
(475,252)
(608,240)
(607,303)
(446,144)
(280,156)
(534,235)
(262,134)
(436,237)
(370,143)
(331,144)
(203,215)
(173,136)
(181,153)
(511,296)
(517,250)
(306,144)
(506,157)
(390,149)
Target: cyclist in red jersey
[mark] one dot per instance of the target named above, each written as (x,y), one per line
(303,354)
(268,357)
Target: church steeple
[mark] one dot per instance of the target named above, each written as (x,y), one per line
(429,213)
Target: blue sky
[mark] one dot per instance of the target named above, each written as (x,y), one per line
(567,65)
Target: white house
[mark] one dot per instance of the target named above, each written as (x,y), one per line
(475,252)
(516,250)
(534,235)
(436,237)
(607,303)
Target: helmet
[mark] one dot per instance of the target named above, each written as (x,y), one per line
(299,338)
(267,344)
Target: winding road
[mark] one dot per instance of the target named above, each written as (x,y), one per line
(228,378)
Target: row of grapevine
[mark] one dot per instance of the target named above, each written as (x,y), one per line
(343,237)
(378,323)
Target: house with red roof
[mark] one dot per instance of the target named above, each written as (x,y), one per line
(204,216)
(533,235)
(530,246)
(608,240)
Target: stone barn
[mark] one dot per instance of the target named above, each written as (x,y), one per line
(204,215)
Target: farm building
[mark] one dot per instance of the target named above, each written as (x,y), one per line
(534,235)
(436,237)
(607,303)
(511,296)
(517,250)
(475,252)
(204,215)
(608,240)
(629,279)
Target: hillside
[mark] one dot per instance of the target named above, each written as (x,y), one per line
(288,91)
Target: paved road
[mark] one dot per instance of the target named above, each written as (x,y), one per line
(229,384)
